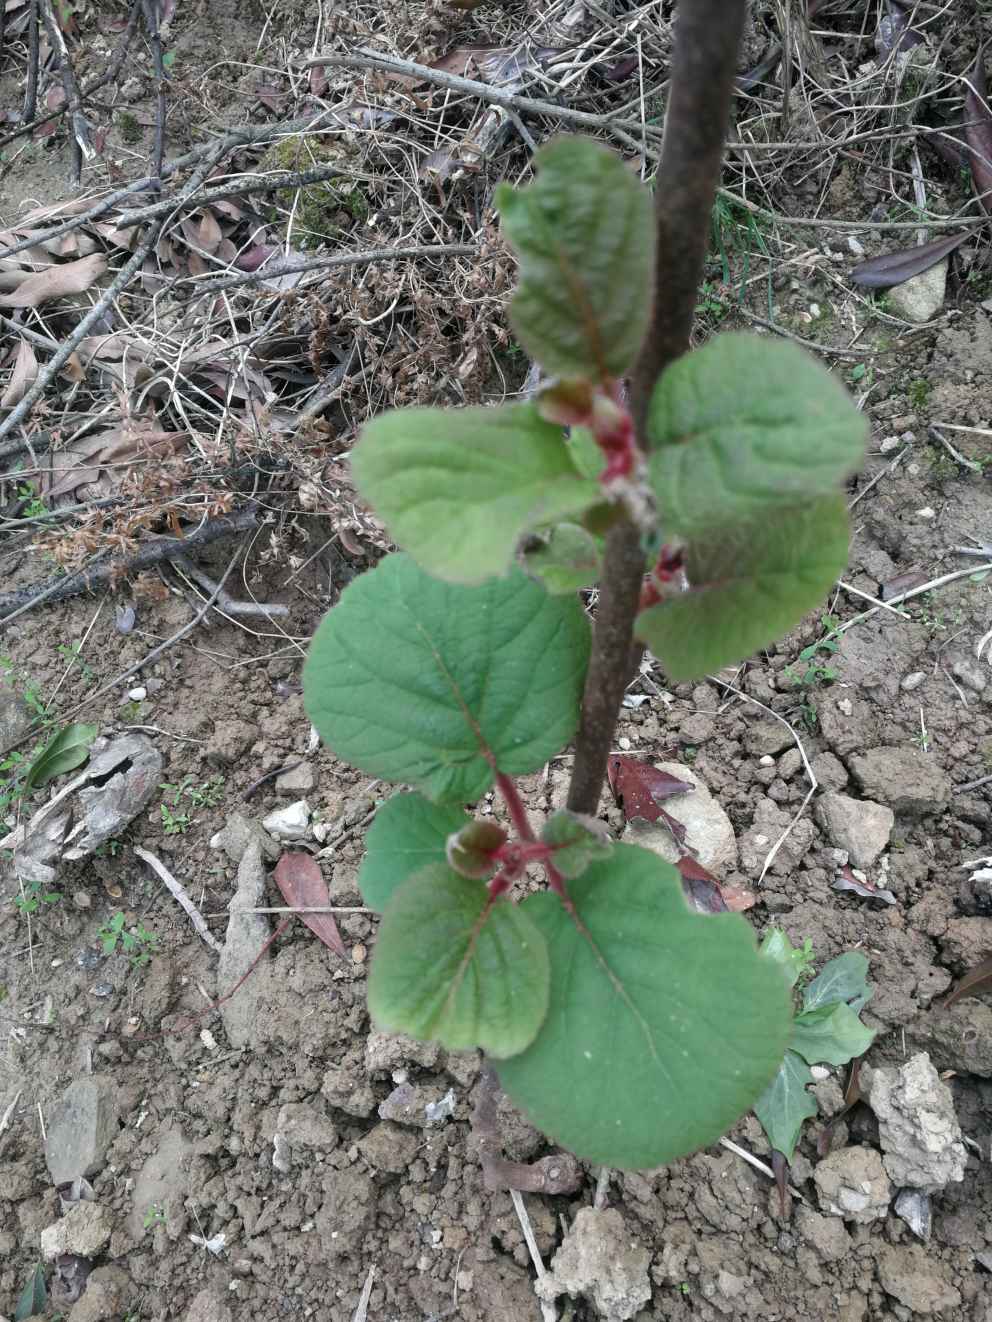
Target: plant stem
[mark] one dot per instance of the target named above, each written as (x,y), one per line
(707,33)
(515,804)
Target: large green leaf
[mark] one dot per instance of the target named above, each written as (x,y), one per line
(65,751)
(745,426)
(583,233)
(570,559)
(663,1027)
(453,965)
(747,586)
(785,1104)
(459,487)
(408,832)
(843,979)
(832,1034)
(426,684)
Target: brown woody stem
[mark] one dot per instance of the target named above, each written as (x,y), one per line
(707,35)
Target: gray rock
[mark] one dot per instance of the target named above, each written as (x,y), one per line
(907,779)
(347,1094)
(767,737)
(387,1051)
(15,717)
(972,674)
(304,1128)
(826,1234)
(602,1261)
(958,1038)
(108,1289)
(830,772)
(389,1147)
(85,1229)
(709,831)
(238,833)
(696,729)
(852,1183)
(856,825)
(913,681)
(81,1128)
(414,1104)
(246,934)
(914,1207)
(289,823)
(922,297)
(299,780)
(208,1306)
(910,1275)
(770,824)
(917,1125)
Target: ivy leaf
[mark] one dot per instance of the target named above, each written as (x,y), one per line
(435,686)
(747,586)
(406,834)
(746,426)
(832,1034)
(453,965)
(785,1105)
(569,560)
(843,979)
(792,960)
(663,1026)
(577,840)
(458,488)
(583,234)
(34,1297)
(64,752)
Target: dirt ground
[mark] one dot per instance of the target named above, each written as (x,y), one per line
(374,1184)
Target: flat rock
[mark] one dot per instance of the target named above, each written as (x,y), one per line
(852,1183)
(346,1093)
(82,1126)
(246,935)
(770,824)
(911,1275)
(709,831)
(826,1234)
(601,1260)
(208,1306)
(917,1125)
(289,823)
(298,780)
(108,1291)
(386,1051)
(859,826)
(238,833)
(15,717)
(766,737)
(306,1127)
(85,1229)
(908,780)
(920,298)
(958,1038)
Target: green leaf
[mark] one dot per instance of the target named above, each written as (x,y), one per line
(470,850)
(577,840)
(407,833)
(34,1296)
(793,960)
(663,1027)
(64,752)
(843,979)
(431,685)
(586,454)
(458,488)
(584,236)
(744,426)
(569,560)
(832,1034)
(453,965)
(785,1104)
(748,586)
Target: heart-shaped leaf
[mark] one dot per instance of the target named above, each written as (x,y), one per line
(663,1025)
(455,966)
(785,1104)
(568,560)
(583,234)
(747,586)
(832,1034)
(419,682)
(458,488)
(745,427)
(843,979)
(408,832)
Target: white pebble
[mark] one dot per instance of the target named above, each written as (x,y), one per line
(926,513)
(766,761)
(913,681)
(139,694)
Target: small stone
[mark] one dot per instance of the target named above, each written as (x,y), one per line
(789,763)
(303,1126)
(855,247)
(920,298)
(913,681)
(298,780)
(914,1208)
(852,1184)
(829,771)
(384,1051)
(917,1126)
(908,780)
(411,1104)
(767,737)
(290,823)
(85,1229)
(81,899)
(860,827)
(600,1259)
(889,444)
(845,706)
(80,1129)
(107,1290)
(766,761)
(926,513)
(389,1147)
(911,1275)
(15,717)
(972,674)
(696,730)
(236,835)
(138,694)
(244,941)
(709,831)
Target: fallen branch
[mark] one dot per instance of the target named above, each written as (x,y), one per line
(179,892)
(83,148)
(296,265)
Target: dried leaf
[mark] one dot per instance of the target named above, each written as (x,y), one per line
(847,881)
(318,80)
(976,980)
(707,894)
(252,258)
(22,377)
(208,232)
(105,457)
(978,132)
(56,282)
(299,878)
(894,31)
(639,788)
(892,268)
